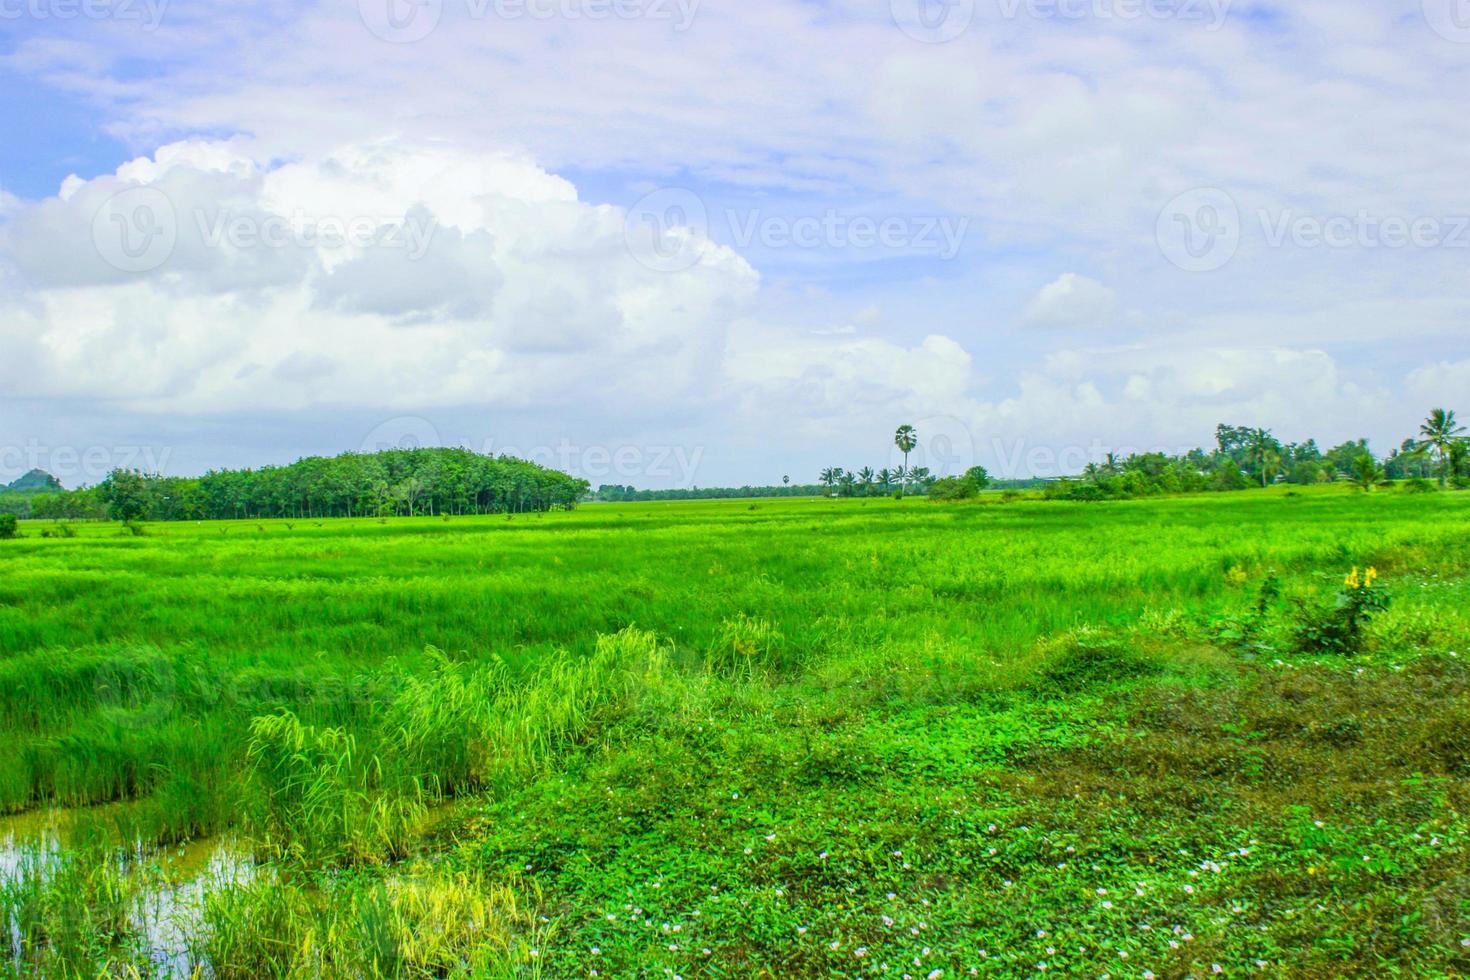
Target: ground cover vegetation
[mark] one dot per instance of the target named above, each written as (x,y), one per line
(1180,736)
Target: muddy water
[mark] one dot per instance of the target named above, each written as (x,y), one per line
(172,882)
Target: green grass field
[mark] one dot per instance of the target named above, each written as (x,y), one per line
(855,738)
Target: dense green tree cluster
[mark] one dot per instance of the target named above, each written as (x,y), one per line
(616,493)
(1244,457)
(395,482)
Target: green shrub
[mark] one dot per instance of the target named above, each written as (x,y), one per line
(1418,485)
(8,526)
(1340,628)
(954,488)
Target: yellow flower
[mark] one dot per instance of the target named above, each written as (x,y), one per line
(1370,578)
(1352,580)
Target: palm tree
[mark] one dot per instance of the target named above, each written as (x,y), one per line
(906,438)
(1367,474)
(1270,465)
(885,478)
(848,481)
(1260,448)
(1440,433)
(829,477)
(865,477)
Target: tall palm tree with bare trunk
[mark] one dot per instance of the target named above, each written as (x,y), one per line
(1440,432)
(906,438)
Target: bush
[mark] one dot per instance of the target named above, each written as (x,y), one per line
(1418,485)
(8,526)
(1340,627)
(954,488)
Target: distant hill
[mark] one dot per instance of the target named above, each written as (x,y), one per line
(36,481)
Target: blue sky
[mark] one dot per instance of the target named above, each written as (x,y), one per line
(755,236)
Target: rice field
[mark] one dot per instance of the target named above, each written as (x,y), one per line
(827,738)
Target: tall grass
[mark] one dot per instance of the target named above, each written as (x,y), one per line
(317,796)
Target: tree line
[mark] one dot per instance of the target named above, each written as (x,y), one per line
(1243,457)
(1246,456)
(397,482)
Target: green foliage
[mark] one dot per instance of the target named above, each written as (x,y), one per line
(832,712)
(954,488)
(1340,628)
(1085,657)
(747,648)
(8,526)
(127,494)
(405,482)
(1306,473)
(1229,477)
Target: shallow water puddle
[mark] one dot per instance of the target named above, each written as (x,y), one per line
(170,884)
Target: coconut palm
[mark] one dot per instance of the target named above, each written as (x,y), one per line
(1261,448)
(829,476)
(865,477)
(1367,474)
(1440,433)
(906,438)
(885,478)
